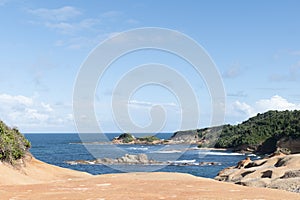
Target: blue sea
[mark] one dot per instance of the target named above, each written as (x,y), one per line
(56,149)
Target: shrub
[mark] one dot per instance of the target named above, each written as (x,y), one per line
(126,137)
(13,145)
(148,138)
(258,129)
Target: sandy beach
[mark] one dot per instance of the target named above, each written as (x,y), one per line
(38,180)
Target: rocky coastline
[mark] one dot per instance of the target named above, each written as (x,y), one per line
(277,171)
(258,135)
(35,180)
(139,159)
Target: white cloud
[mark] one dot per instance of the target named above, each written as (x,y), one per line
(135,103)
(242,108)
(62,27)
(71,28)
(28,113)
(111,14)
(84,32)
(47,107)
(81,42)
(62,19)
(59,14)
(274,103)
(15,100)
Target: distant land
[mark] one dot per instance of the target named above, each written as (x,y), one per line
(263,134)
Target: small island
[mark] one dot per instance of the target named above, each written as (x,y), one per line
(127,138)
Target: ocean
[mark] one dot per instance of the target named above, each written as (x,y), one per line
(56,149)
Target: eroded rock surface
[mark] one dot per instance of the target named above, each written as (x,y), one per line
(278,172)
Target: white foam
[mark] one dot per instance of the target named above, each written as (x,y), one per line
(219,153)
(138,148)
(182,161)
(168,151)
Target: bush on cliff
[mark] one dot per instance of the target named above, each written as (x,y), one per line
(13,145)
(268,128)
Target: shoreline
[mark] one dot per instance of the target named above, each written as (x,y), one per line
(39,180)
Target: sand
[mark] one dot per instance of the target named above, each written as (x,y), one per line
(38,180)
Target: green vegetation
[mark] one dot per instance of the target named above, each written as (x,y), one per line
(126,137)
(13,144)
(264,128)
(148,139)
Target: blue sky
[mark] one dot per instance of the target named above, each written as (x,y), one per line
(254,44)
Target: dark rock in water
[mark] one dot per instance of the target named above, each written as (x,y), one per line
(139,159)
(209,163)
(134,159)
(126,159)
(191,163)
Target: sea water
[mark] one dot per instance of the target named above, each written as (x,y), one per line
(56,149)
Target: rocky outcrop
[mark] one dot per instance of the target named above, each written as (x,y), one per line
(289,143)
(139,159)
(205,137)
(278,172)
(126,159)
(190,136)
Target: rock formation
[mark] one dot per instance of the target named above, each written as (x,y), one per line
(292,144)
(278,172)
(126,159)
(139,159)
(190,136)
(243,163)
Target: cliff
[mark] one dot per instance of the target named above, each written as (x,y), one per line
(205,137)
(262,134)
